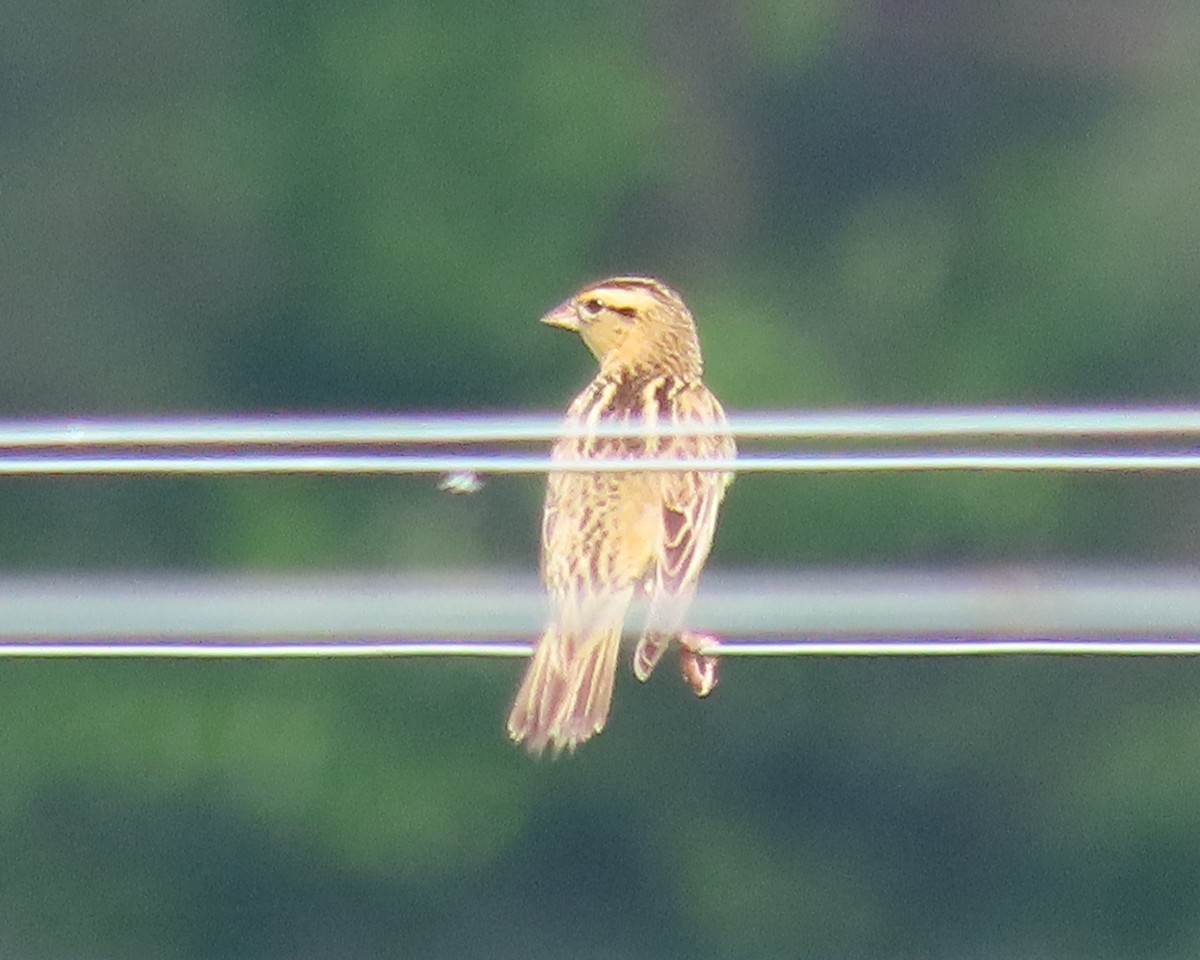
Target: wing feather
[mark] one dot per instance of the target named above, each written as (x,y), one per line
(690,502)
(691,499)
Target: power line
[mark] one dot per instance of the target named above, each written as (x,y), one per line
(1143,612)
(138,648)
(349,445)
(815,648)
(453,428)
(54,463)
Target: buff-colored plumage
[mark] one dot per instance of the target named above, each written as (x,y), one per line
(608,536)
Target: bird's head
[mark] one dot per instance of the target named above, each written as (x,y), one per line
(632,324)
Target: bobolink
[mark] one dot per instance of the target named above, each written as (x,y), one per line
(607,535)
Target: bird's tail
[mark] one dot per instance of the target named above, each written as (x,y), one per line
(565,695)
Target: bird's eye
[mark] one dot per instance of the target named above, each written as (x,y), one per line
(593,305)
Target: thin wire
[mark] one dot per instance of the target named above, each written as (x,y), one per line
(916,424)
(56,463)
(961,648)
(811,648)
(259,651)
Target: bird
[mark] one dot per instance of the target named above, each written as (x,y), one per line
(607,537)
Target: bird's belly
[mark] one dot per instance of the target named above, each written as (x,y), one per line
(606,530)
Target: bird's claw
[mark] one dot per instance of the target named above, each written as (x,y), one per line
(698,667)
(649,651)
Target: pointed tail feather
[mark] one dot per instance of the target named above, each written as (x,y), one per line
(567,690)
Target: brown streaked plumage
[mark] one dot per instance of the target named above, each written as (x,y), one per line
(607,536)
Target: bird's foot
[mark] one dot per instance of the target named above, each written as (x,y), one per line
(696,662)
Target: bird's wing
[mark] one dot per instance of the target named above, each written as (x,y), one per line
(690,500)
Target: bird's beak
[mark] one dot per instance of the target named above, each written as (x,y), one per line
(564,316)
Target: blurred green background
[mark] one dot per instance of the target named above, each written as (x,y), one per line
(320,206)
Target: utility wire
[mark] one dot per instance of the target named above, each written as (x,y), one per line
(1132,612)
(55,463)
(892,424)
(1140,612)
(816,648)
(351,445)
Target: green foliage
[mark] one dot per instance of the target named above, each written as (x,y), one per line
(321,206)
